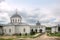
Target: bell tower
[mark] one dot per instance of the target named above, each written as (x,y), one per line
(38,23)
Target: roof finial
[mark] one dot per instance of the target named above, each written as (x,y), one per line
(16,11)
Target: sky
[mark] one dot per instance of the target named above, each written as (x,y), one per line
(45,11)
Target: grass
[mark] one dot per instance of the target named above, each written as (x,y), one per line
(29,36)
(54,34)
(23,36)
(5,39)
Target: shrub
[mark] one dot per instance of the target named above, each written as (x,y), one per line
(20,34)
(9,39)
(25,33)
(5,39)
(32,32)
(1,39)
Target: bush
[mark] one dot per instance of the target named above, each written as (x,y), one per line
(20,34)
(32,32)
(25,33)
(53,34)
(9,39)
(16,34)
(5,39)
(1,39)
(2,34)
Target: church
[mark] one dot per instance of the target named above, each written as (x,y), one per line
(16,26)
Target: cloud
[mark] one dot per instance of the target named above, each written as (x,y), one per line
(1,1)
(4,18)
(46,15)
(4,8)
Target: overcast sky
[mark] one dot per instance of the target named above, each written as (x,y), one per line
(46,11)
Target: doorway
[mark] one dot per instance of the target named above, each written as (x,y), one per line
(59,29)
(40,30)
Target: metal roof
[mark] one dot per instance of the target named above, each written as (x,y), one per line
(15,15)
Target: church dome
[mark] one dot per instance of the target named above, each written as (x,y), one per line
(16,18)
(16,15)
(38,23)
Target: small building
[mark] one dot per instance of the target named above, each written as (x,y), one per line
(55,29)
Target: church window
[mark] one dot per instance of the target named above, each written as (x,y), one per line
(5,30)
(18,20)
(9,30)
(24,29)
(36,30)
(13,20)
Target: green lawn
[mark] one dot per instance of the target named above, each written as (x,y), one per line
(29,36)
(53,34)
(24,36)
(5,39)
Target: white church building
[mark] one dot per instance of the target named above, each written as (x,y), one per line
(16,26)
(55,29)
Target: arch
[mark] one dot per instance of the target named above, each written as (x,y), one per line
(12,20)
(31,30)
(9,30)
(20,34)
(36,30)
(40,30)
(59,29)
(24,30)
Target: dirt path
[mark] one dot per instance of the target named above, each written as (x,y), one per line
(44,37)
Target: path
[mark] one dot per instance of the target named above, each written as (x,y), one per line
(43,37)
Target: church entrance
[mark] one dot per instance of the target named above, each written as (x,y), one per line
(59,29)
(36,30)
(40,30)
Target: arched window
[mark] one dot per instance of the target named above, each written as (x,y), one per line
(31,30)
(4,30)
(18,20)
(24,30)
(40,30)
(9,30)
(36,30)
(13,20)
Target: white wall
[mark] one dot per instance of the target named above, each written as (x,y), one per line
(20,29)
(54,29)
(38,28)
(1,30)
(6,30)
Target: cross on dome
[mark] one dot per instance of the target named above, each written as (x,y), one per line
(16,14)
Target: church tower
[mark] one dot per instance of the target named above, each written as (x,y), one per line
(38,23)
(16,18)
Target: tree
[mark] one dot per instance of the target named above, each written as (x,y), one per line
(20,34)
(36,30)
(32,32)
(26,34)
